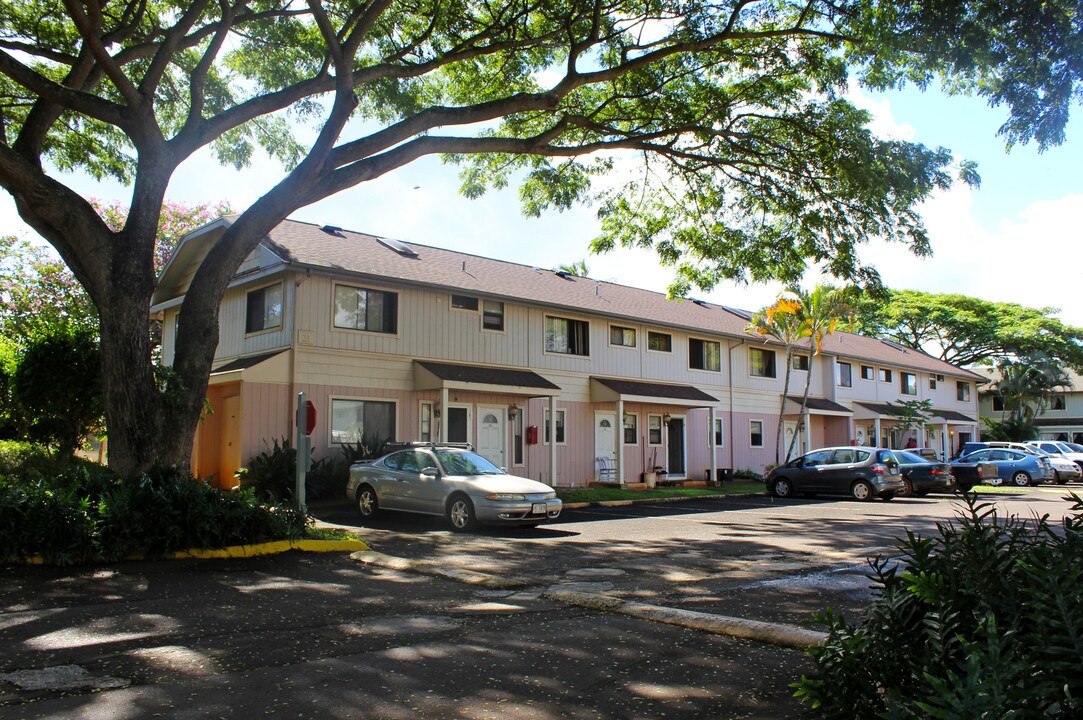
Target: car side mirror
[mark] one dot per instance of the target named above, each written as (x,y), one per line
(430,472)
(504,470)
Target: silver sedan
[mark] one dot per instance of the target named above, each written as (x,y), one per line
(451,482)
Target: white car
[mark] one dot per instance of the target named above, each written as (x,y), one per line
(1059,449)
(452,482)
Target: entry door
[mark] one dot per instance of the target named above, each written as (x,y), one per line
(789,430)
(675,451)
(229,454)
(458,424)
(492,435)
(605,437)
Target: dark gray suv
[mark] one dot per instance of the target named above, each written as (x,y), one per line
(861,472)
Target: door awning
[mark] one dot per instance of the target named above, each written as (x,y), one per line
(871,411)
(430,375)
(611,390)
(816,406)
(267,367)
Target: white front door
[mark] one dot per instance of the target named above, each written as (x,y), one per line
(605,446)
(789,429)
(491,435)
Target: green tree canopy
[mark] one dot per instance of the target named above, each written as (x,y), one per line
(747,162)
(965,330)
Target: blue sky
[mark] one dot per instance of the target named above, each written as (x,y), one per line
(1016,238)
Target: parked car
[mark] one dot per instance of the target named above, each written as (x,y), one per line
(969,474)
(861,472)
(922,476)
(1059,449)
(1015,466)
(1064,469)
(452,482)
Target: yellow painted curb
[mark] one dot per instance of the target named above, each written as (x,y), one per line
(272,548)
(246,551)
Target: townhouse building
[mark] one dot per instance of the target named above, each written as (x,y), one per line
(1060,419)
(559,378)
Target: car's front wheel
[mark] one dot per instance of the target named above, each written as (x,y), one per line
(367,503)
(460,514)
(908,488)
(1060,479)
(781,488)
(861,490)
(1021,479)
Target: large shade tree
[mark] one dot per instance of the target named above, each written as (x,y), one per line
(965,330)
(753,164)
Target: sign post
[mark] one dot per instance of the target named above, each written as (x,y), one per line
(306,422)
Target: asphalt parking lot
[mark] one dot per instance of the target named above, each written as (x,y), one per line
(302,635)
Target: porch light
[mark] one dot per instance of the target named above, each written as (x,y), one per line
(665,419)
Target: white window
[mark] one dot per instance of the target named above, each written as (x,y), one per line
(718,436)
(962,391)
(622,336)
(908,383)
(492,315)
(350,419)
(631,429)
(424,430)
(363,309)
(659,342)
(755,433)
(846,375)
(263,309)
(568,337)
(704,354)
(800,362)
(654,429)
(560,426)
(762,362)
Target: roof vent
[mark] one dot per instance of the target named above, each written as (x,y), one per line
(701,303)
(333,230)
(562,274)
(398,247)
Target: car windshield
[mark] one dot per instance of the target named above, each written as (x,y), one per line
(458,462)
(1076,447)
(909,457)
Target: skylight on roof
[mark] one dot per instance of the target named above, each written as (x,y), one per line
(739,312)
(398,247)
(897,346)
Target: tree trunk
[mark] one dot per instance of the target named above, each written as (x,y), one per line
(782,406)
(804,407)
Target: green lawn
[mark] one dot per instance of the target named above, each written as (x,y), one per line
(578,495)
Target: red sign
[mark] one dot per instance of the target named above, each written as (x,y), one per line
(310,417)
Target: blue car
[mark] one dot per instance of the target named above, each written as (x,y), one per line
(1014,466)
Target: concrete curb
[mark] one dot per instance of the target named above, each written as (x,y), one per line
(245,551)
(772,633)
(657,500)
(424,567)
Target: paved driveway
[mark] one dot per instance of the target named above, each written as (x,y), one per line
(305,636)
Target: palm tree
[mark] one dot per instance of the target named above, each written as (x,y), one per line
(782,322)
(820,311)
(1027,385)
(578,268)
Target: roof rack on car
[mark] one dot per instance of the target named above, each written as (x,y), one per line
(428,444)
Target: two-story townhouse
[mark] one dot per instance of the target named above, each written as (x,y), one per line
(1060,419)
(557,377)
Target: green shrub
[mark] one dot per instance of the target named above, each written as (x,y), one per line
(82,515)
(272,476)
(746,474)
(985,620)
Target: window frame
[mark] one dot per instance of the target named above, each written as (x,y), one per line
(332,399)
(795,363)
(704,355)
(624,329)
(634,417)
(868,372)
(585,335)
(651,417)
(849,375)
(465,308)
(719,430)
(905,387)
(962,391)
(886,375)
(485,314)
(561,427)
(752,434)
(421,420)
(345,328)
(773,364)
(660,334)
(248,308)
